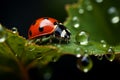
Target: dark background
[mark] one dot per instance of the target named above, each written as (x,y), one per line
(21,13)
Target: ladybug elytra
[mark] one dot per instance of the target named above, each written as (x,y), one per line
(46,27)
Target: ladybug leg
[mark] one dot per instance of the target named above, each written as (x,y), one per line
(39,40)
(51,37)
(60,40)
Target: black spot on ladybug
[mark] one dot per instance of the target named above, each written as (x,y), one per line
(45,17)
(30,33)
(41,29)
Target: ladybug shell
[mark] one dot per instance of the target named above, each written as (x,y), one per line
(41,27)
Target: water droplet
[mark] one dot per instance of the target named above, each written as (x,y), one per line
(99,1)
(47,76)
(82,38)
(114,14)
(89,7)
(84,63)
(58,45)
(99,57)
(103,43)
(81,10)
(3,34)
(110,54)
(75,18)
(115,19)
(14,30)
(76,25)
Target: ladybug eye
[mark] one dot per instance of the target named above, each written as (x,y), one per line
(40,29)
(30,33)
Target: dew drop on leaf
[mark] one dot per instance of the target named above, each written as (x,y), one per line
(110,54)
(76,25)
(99,1)
(77,50)
(81,10)
(3,34)
(82,38)
(103,43)
(75,18)
(114,15)
(89,7)
(100,57)
(76,22)
(47,76)
(84,63)
(14,30)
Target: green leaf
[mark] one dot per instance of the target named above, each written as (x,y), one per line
(94,25)
(18,55)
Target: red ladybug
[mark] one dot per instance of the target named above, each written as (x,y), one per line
(46,27)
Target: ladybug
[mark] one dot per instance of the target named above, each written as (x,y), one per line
(48,27)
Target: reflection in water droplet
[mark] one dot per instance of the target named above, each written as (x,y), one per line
(114,14)
(3,34)
(14,30)
(84,63)
(82,38)
(76,25)
(81,11)
(110,54)
(103,43)
(99,1)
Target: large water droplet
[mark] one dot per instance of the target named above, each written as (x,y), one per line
(84,63)
(99,1)
(14,30)
(110,54)
(3,34)
(82,38)
(114,14)
(103,43)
